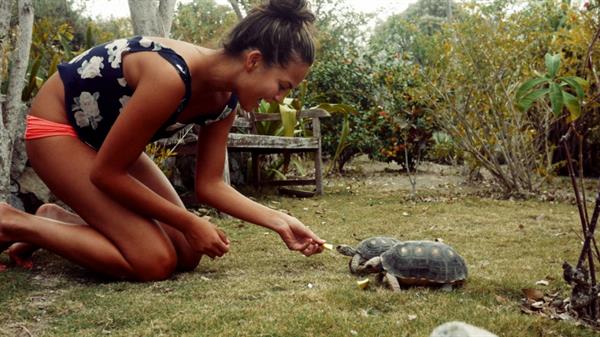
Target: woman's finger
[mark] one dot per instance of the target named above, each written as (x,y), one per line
(223,236)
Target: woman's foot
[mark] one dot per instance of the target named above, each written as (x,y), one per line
(21,253)
(8,220)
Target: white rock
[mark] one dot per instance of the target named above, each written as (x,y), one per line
(460,329)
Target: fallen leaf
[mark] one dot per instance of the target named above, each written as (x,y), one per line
(501,299)
(533,294)
(412,317)
(537,305)
(542,283)
(564,316)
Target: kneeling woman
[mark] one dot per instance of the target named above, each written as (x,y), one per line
(89,124)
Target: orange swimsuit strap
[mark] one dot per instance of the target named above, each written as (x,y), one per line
(41,128)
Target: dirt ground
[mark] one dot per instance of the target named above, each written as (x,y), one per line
(391,176)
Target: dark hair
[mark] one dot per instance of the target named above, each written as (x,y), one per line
(279,29)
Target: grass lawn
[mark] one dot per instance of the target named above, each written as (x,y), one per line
(262,289)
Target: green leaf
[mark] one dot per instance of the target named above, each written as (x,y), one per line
(525,87)
(556,98)
(573,105)
(552,64)
(288,119)
(525,103)
(583,83)
(575,85)
(263,106)
(342,143)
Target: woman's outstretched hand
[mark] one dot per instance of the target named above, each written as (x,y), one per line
(297,236)
(206,238)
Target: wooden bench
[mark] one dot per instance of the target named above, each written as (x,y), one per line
(244,138)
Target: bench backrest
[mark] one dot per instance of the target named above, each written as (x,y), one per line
(247,120)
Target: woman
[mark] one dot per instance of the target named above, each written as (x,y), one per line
(89,124)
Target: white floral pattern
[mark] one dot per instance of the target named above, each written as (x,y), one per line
(122,81)
(115,50)
(91,68)
(145,42)
(123,100)
(86,110)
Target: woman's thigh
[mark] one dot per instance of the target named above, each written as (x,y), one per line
(64,164)
(149,174)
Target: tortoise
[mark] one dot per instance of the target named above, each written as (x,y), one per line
(420,263)
(366,250)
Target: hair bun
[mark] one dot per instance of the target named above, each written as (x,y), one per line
(296,11)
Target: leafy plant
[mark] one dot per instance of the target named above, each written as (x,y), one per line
(288,126)
(345,111)
(476,65)
(444,149)
(558,89)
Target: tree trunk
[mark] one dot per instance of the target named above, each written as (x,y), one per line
(166,9)
(11,129)
(236,8)
(150,18)
(5,10)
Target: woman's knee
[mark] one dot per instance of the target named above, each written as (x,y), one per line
(156,265)
(188,262)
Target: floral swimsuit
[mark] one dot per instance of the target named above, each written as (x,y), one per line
(96,91)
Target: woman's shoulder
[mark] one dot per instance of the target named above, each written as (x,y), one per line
(150,67)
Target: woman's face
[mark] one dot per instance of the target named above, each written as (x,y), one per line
(271,83)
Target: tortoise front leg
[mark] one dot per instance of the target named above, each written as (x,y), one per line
(392,281)
(371,266)
(355,263)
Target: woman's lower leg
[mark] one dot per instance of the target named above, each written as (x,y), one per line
(78,243)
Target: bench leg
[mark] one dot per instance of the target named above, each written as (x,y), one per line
(226,175)
(318,172)
(255,170)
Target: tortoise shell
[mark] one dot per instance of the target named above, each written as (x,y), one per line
(424,263)
(375,246)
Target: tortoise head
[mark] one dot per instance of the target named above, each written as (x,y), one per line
(345,250)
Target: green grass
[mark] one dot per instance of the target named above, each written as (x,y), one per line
(262,289)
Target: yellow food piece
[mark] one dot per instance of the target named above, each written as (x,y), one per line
(363,284)
(328,246)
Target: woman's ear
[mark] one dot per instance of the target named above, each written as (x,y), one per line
(252,60)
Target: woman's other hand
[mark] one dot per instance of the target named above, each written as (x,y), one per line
(206,238)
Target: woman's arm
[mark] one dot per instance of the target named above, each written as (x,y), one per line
(158,91)
(212,190)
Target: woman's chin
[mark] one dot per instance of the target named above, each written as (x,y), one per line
(249,107)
